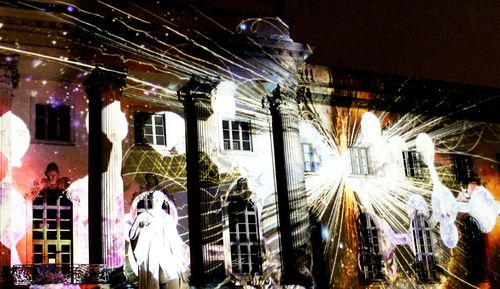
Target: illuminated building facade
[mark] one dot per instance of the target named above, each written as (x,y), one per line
(277,172)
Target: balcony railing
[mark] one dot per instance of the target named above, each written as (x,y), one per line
(25,275)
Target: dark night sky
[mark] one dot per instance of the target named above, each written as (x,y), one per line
(456,41)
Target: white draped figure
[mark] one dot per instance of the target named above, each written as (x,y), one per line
(160,253)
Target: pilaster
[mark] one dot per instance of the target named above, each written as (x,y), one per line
(107,129)
(201,176)
(293,214)
(9,80)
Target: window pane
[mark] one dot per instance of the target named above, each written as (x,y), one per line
(38,248)
(38,258)
(64,122)
(245,135)
(66,225)
(38,224)
(236,135)
(66,235)
(225,124)
(65,214)
(159,130)
(51,214)
(37,235)
(65,258)
(148,129)
(246,146)
(160,140)
(51,235)
(51,224)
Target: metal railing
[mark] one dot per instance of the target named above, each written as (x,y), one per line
(25,275)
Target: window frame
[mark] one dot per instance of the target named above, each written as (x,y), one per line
(413,164)
(141,119)
(309,158)
(463,167)
(358,167)
(230,140)
(248,238)
(475,243)
(370,258)
(59,242)
(46,119)
(154,135)
(423,243)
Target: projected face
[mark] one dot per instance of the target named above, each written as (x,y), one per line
(52,176)
(158,199)
(16,138)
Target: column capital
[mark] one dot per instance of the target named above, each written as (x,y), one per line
(280,97)
(102,78)
(198,90)
(198,87)
(9,72)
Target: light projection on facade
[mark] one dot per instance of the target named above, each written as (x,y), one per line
(386,191)
(410,222)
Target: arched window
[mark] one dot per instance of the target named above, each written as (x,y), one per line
(244,237)
(369,258)
(424,253)
(474,245)
(52,228)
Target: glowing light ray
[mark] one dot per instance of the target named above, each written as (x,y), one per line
(338,220)
(48,57)
(252,72)
(145,52)
(406,274)
(390,194)
(457,278)
(123,12)
(247,65)
(181,65)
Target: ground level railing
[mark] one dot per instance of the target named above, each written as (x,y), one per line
(25,275)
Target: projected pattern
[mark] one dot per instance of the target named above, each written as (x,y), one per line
(334,195)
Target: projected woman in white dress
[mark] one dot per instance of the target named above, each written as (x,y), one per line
(160,253)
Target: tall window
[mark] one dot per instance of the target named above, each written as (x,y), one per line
(360,163)
(150,128)
(52,228)
(236,135)
(52,122)
(369,258)
(244,237)
(413,164)
(311,163)
(463,166)
(474,248)
(422,236)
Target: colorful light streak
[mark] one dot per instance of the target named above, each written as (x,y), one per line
(329,194)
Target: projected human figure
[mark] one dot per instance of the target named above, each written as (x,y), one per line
(160,253)
(53,184)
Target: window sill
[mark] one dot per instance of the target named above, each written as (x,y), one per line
(237,152)
(53,142)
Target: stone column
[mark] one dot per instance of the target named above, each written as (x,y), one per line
(293,214)
(9,79)
(107,129)
(196,97)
